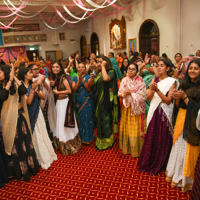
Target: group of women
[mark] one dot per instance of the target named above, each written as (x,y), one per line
(159,120)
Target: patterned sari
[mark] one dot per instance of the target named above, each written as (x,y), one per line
(104,116)
(85,107)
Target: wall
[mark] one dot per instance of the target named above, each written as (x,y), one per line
(178,22)
(53,43)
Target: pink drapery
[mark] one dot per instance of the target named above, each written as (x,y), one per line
(11,53)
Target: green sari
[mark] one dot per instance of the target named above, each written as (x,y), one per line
(105,117)
(147,79)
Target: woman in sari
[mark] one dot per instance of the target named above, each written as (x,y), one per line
(4,93)
(158,140)
(106,104)
(186,138)
(84,104)
(21,160)
(66,136)
(41,141)
(133,120)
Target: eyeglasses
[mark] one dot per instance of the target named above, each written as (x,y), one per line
(131,69)
(36,69)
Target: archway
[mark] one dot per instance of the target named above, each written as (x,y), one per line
(95,44)
(149,37)
(83,44)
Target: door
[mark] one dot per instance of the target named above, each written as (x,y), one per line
(32,55)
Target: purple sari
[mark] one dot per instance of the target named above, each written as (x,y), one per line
(157,143)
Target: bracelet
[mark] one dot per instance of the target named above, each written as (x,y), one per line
(177,70)
(11,80)
(185,98)
(18,82)
(8,83)
(32,91)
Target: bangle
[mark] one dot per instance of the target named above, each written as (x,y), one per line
(8,83)
(185,98)
(11,80)
(32,91)
(18,82)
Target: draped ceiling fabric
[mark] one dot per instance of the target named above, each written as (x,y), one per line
(11,53)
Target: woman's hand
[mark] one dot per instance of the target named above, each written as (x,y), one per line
(146,59)
(126,93)
(12,73)
(153,87)
(55,91)
(35,84)
(52,83)
(104,63)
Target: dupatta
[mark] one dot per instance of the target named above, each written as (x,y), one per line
(138,94)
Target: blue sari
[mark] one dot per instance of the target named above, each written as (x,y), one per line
(85,107)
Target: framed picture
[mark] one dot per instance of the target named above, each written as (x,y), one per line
(11,39)
(88,50)
(17,38)
(37,38)
(24,38)
(30,38)
(43,37)
(62,36)
(132,45)
(6,40)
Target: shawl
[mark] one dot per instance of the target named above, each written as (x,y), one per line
(164,87)
(33,109)
(191,130)
(69,117)
(116,68)
(49,96)
(138,94)
(9,117)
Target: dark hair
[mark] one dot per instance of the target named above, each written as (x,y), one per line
(125,53)
(6,70)
(139,60)
(164,55)
(123,63)
(109,64)
(22,72)
(112,54)
(31,66)
(167,63)
(178,54)
(135,57)
(137,68)
(197,51)
(53,76)
(22,64)
(186,81)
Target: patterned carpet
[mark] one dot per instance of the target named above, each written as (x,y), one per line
(93,175)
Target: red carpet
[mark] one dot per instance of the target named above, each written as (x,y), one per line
(89,175)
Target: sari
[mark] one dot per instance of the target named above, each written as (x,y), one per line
(21,159)
(85,107)
(106,110)
(41,141)
(147,79)
(158,140)
(133,119)
(186,142)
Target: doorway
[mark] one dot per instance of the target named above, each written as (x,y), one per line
(32,55)
(149,37)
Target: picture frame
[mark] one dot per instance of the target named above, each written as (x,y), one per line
(61,36)
(132,44)
(11,39)
(43,37)
(88,50)
(30,38)
(37,38)
(6,40)
(117,29)
(17,38)
(24,38)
